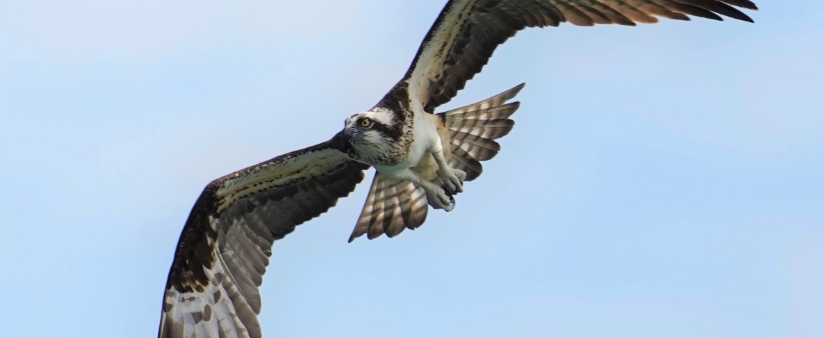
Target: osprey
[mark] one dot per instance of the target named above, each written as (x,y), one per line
(422,159)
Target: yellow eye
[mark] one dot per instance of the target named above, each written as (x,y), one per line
(366,122)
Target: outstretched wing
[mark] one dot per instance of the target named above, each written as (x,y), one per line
(466,33)
(212,288)
(392,205)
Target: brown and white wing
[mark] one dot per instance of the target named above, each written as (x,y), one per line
(392,205)
(222,254)
(465,34)
(473,130)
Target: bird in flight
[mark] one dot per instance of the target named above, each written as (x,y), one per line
(422,159)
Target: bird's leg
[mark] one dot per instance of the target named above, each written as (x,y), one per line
(438,197)
(452,178)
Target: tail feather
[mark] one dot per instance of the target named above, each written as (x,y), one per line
(391,207)
(474,128)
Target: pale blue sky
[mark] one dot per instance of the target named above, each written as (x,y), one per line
(661,181)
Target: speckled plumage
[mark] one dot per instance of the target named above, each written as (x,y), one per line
(422,159)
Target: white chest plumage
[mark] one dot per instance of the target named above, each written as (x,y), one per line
(425,134)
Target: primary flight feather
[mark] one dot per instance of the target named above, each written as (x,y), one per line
(422,159)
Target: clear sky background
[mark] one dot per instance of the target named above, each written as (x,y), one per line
(661,181)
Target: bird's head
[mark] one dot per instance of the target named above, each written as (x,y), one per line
(372,134)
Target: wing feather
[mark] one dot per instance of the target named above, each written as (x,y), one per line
(466,33)
(212,289)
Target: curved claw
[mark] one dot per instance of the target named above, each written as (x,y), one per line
(441,198)
(451,200)
(450,205)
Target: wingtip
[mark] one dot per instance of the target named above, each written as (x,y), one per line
(744,4)
(515,90)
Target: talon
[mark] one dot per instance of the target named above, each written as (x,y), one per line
(441,198)
(449,202)
(452,179)
(446,190)
(450,187)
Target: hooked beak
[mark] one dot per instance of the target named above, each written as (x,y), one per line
(342,138)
